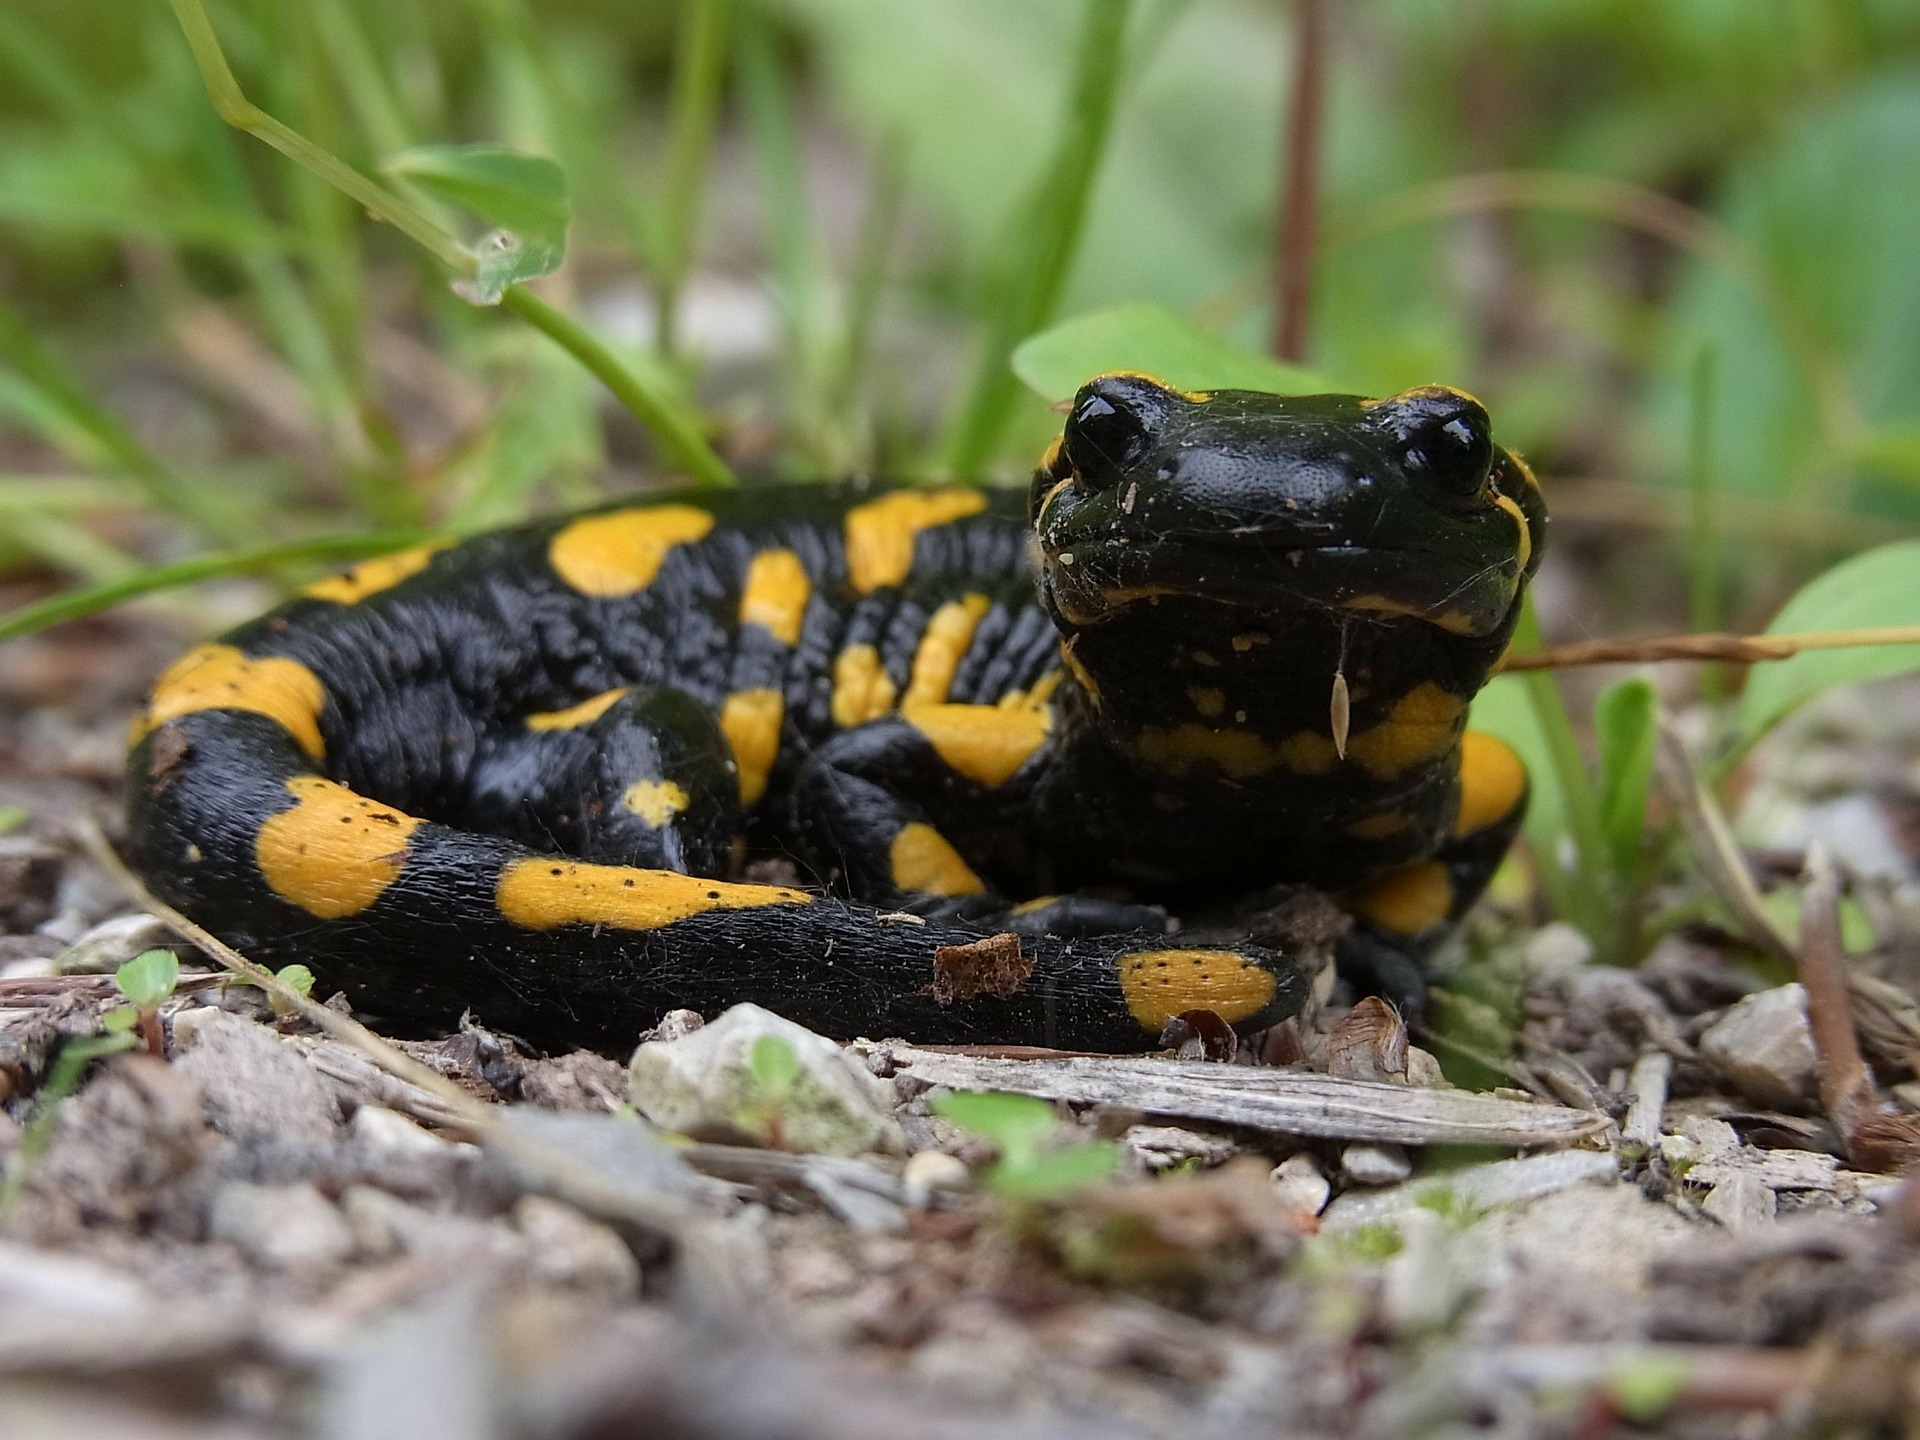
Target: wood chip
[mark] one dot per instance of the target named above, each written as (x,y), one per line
(1284,1102)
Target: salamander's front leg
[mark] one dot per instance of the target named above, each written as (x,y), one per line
(1406,912)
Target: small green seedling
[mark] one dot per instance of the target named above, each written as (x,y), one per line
(1017,1125)
(773,1069)
(297,978)
(145,981)
(12,817)
(74,1058)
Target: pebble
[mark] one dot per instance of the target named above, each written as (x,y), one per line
(1557,947)
(566,1248)
(283,1227)
(929,1170)
(107,946)
(1763,1047)
(253,1086)
(1370,1164)
(703,1085)
(384,1129)
(1741,1202)
(1160,1147)
(1301,1186)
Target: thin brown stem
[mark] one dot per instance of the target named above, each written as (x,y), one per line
(1746,649)
(1300,183)
(1846,1088)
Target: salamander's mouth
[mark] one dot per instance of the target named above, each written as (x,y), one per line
(1095,579)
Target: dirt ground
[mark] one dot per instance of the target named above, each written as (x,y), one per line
(262,1229)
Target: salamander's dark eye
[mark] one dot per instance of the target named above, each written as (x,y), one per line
(1444,436)
(1111,427)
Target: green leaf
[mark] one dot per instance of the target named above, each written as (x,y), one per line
(774,1067)
(121,1017)
(1881,587)
(296,977)
(1645,1387)
(1624,722)
(12,817)
(1050,1177)
(1149,338)
(522,197)
(148,978)
(1015,1123)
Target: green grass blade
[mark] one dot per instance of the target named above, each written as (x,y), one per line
(699,66)
(75,604)
(1055,217)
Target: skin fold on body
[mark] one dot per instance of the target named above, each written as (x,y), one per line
(1226,641)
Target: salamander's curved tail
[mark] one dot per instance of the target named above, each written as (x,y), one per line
(231,821)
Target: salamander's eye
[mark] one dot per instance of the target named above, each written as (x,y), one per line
(1111,426)
(1444,436)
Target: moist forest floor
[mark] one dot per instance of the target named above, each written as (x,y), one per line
(260,1231)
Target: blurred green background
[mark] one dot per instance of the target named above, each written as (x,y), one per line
(1661,240)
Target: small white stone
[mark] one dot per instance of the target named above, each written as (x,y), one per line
(385,1129)
(703,1085)
(1160,1147)
(930,1170)
(1301,1186)
(283,1227)
(107,946)
(1763,1047)
(1555,948)
(1741,1202)
(1368,1164)
(566,1248)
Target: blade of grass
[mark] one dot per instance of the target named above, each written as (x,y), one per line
(50,380)
(867,282)
(1590,890)
(1706,600)
(76,604)
(653,404)
(1054,218)
(699,64)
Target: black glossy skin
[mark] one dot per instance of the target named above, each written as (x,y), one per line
(1165,527)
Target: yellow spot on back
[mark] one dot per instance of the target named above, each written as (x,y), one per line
(922,859)
(334,853)
(574,716)
(862,689)
(1246,641)
(1523,545)
(370,577)
(1160,984)
(983,742)
(1420,727)
(750,719)
(1209,702)
(1039,695)
(1033,906)
(621,553)
(219,677)
(776,594)
(881,533)
(1492,780)
(655,801)
(542,894)
(1406,900)
(1237,754)
(943,644)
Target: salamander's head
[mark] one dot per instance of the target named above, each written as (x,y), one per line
(1385,508)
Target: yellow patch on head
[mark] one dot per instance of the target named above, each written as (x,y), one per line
(983,742)
(1208,701)
(1523,544)
(750,719)
(881,533)
(943,644)
(1081,675)
(334,853)
(655,801)
(621,553)
(922,859)
(1237,754)
(776,593)
(1492,781)
(543,894)
(574,716)
(1449,620)
(1383,826)
(220,677)
(1420,727)
(1052,456)
(1406,900)
(370,577)
(1160,984)
(862,689)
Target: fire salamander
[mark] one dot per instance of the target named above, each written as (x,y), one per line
(1228,640)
